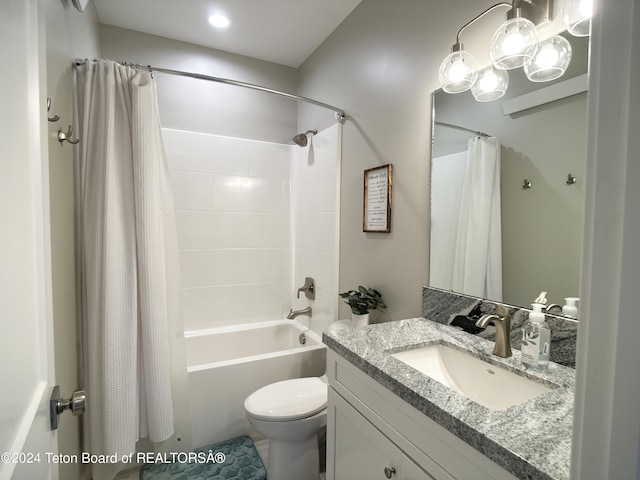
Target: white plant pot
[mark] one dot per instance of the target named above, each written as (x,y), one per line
(359,320)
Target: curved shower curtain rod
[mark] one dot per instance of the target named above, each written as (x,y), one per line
(457,127)
(340,115)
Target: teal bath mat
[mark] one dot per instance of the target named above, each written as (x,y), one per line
(235,459)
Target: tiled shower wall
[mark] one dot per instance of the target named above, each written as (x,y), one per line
(314,180)
(447,180)
(236,232)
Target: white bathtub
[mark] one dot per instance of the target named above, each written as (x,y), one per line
(226,364)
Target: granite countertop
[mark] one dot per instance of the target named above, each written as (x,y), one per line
(531,440)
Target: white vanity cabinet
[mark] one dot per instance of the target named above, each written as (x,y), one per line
(362,451)
(374,434)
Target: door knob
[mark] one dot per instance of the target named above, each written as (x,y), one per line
(57,405)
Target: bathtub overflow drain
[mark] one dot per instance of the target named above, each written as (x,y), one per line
(302,338)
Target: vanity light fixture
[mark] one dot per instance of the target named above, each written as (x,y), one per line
(577,16)
(490,85)
(551,60)
(458,71)
(514,44)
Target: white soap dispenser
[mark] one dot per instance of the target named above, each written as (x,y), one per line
(570,309)
(536,339)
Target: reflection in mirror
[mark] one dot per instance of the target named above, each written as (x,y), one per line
(542,145)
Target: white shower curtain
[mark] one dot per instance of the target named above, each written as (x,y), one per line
(129,260)
(477,264)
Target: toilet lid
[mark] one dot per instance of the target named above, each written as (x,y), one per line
(288,400)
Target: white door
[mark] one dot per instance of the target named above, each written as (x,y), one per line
(27,444)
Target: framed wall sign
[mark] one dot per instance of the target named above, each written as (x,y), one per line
(377,199)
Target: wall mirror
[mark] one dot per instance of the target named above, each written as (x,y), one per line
(541,180)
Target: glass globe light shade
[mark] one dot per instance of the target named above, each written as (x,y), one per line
(491,84)
(551,60)
(514,44)
(576,15)
(458,72)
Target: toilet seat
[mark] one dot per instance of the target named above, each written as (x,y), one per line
(288,400)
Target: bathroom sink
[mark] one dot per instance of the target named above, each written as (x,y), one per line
(480,381)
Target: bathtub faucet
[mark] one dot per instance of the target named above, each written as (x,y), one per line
(294,313)
(309,289)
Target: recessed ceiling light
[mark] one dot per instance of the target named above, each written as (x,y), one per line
(219,21)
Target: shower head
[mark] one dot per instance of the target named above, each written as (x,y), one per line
(301,139)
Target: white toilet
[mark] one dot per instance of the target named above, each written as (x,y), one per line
(289,414)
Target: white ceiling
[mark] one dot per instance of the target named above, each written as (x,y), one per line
(280,31)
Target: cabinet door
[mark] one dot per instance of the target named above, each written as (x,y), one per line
(411,471)
(361,451)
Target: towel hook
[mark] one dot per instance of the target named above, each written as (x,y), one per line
(571,179)
(55,118)
(526,184)
(66,137)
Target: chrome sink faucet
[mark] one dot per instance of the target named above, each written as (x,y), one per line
(294,313)
(502,320)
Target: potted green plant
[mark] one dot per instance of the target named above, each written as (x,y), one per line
(362,301)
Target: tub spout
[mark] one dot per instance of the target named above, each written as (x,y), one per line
(294,313)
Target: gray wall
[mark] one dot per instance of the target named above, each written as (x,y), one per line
(381,66)
(69,34)
(207,107)
(541,226)
(542,232)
